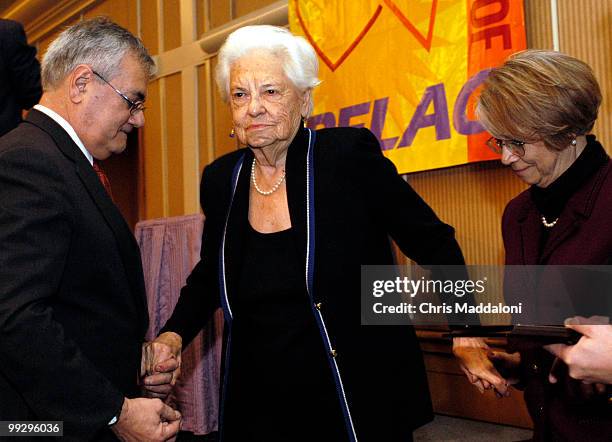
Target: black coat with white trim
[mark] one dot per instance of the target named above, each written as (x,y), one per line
(359,202)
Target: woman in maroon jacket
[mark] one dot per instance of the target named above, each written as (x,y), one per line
(540,107)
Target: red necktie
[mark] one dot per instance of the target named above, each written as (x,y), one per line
(103,178)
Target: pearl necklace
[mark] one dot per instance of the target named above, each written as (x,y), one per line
(549,225)
(265,192)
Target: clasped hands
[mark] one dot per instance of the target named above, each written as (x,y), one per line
(161,365)
(480,364)
(149,418)
(589,361)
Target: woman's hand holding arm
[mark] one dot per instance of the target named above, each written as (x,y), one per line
(476,361)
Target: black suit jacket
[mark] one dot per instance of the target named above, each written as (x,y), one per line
(359,202)
(19,75)
(72,300)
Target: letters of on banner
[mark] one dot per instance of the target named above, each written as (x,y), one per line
(409,70)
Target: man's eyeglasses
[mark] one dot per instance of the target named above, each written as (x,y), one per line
(514,147)
(135,106)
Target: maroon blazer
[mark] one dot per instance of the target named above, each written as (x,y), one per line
(582,235)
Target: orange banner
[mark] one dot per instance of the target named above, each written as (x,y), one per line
(409,71)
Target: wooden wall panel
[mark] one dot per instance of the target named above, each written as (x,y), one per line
(538,25)
(172,24)
(174,139)
(220,12)
(153,155)
(585,32)
(243,7)
(149,25)
(471,198)
(202,15)
(206,134)
(122,12)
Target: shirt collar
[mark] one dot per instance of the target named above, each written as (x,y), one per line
(67,127)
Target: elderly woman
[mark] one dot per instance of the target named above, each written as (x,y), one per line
(540,107)
(289,221)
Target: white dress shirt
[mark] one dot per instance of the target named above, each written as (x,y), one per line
(67,127)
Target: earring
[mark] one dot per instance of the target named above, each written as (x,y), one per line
(304,122)
(232,133)
(574,142)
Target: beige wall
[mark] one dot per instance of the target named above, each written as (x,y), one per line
(187,124)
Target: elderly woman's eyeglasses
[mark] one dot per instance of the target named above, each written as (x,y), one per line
(135,106)
(514,147)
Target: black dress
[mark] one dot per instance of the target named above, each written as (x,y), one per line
(279,386)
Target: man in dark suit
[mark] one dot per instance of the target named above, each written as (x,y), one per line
(72,300)
(19,75)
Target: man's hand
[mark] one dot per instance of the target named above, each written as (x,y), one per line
(475,359)
(146,419)
(161,364)
(590,359)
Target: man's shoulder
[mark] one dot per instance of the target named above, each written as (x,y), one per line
(26,135)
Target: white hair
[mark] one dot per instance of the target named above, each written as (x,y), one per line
(300,61)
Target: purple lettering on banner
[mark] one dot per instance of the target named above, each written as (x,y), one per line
(460,119)
(327,119)
(439,117)
(379,114)
(346,113)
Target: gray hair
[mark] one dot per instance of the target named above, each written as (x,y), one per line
(97,42)
(301,65)
(540,95)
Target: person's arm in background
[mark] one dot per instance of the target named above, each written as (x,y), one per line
(22,65)
(590,359)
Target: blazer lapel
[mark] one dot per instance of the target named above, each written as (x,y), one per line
(295,176)
(237,225)
(126,243)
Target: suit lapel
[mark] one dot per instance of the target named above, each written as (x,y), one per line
(126,243)
(295,169)
(237,225)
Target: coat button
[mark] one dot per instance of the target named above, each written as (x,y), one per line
(318,305)
(333,353)
(535,368)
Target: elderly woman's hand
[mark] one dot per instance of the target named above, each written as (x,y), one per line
(476,360)
(161,364)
